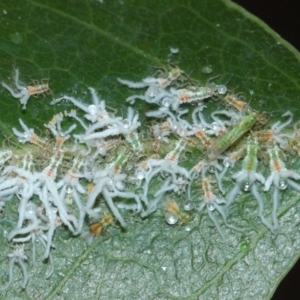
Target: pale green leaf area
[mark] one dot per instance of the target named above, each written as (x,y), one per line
(78,44)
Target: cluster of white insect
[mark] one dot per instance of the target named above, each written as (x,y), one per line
(112,165)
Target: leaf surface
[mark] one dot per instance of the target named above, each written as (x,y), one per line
(78,44)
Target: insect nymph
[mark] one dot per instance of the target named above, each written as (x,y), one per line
(24,92)
(226,140)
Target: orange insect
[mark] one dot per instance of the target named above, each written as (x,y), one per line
(34,139)
(38,88)
(274,135)
(172,75)
(28,135)
(90,187)
(174,154)
(200,134)
(24,92)
(233,100)
(173,213)
(96,228)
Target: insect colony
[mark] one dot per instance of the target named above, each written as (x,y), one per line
(116,164)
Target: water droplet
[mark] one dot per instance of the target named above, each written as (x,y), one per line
(152,93)
(166,102)
(234,121)
(181,132)
(16,38)
(214,126)
(171,218)
(21,140)
(31,208)
(110,182)
(206,70)
(246,186)
(20,191)
(102,151)
(174,50)
(140,175)
(244,247)
(187,228)
(188,205)
(226,162)
(92,109)
(211,169)
(164,174)
(282,184)
(210,206)
(52,215)
(69,189)
(222,89)
(126,123)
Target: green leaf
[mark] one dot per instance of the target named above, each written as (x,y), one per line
(78,44)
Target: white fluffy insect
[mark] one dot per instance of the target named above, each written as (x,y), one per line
(212,202)
(247,179)
(17,257)
(275,134)
(25,92)
(117,126)
(280,178)
(156,87)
